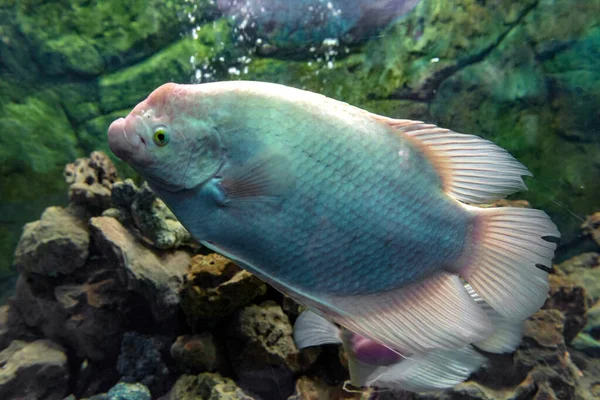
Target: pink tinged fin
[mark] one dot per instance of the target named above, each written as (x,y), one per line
(438,370)
(507,334)
(503,261)
(436,313)
(311,329)
(472,169)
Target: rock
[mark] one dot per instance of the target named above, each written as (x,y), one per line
(12,326)
(124,193)
(156,221)
(587,344)
(93,378)
(215,287)
(266,357)
(128,391)
(206,386)
(584,270)
(90,181)
(84,313)
(197,352)
(546,328)
(155,275)
(141,361)
(591,227)
(149,214)
(56,244)
(569,298)
(315,389)
(36,370)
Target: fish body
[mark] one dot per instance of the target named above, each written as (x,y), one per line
(354,206)
(358,216)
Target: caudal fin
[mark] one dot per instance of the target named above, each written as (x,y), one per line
(506,335)
(508,259)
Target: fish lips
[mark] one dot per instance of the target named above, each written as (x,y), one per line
(127,144)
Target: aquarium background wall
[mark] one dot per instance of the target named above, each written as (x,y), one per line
(524,74)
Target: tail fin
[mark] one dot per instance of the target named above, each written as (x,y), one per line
(507,260)
(506,335)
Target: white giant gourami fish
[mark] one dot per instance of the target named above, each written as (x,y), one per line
(360,217)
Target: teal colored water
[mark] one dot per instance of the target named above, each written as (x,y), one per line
(113,259)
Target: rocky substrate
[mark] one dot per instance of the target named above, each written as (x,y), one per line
(116,301)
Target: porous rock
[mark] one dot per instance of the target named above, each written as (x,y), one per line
(57,243)
(199,353)
(591,227)
(155,275)
(206,386)
(90,180)
(215,287)
(141,361)
(36,370)
(264,354)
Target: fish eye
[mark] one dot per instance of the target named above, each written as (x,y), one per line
(161,136)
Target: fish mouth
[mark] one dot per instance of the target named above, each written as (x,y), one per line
(125,143)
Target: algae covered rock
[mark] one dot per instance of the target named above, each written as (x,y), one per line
(87,39)
(56,244)
(142,208)
(36,370)
(156,221)
(215,287)
(206,386)
(128,391)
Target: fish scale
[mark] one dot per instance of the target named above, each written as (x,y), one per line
(351,268)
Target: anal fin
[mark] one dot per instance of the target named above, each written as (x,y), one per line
(440,369)
(436,313)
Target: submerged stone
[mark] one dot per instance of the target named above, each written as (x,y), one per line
(155,275)
(215,287)
(128,391)
(56,244)
(199,353)
(206,386)
(36,370)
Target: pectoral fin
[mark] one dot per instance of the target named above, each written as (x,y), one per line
(263,178)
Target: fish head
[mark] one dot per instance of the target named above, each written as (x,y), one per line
(167,140)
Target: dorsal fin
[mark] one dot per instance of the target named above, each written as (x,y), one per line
(472,169)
